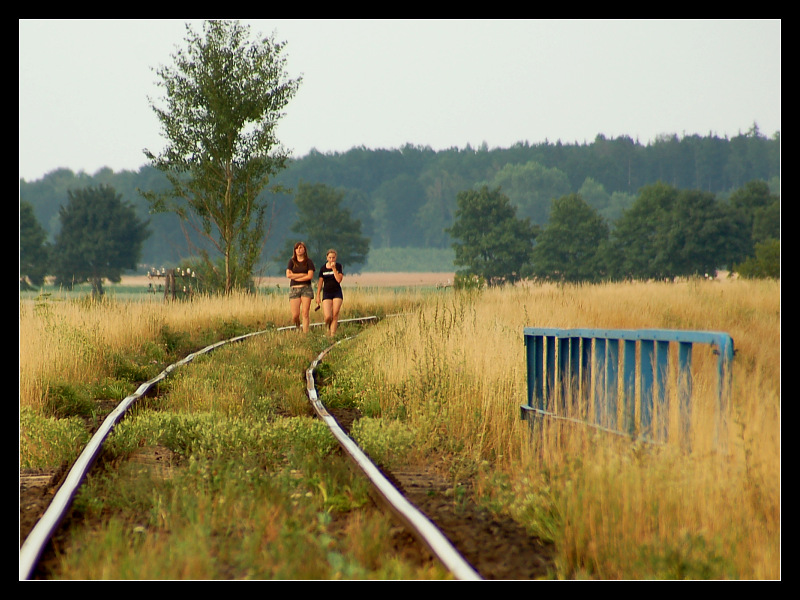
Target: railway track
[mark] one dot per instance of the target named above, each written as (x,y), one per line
(423,529)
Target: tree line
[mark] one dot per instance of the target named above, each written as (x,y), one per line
(406,198)
(666,233)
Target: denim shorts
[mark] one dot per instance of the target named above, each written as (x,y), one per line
(300,291)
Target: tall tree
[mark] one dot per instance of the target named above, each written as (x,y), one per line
(100,237)
(224,97)
(758,210)
(700,231)
(34,251)
(324,223)
(532,188)
(491,241)
(637,247)
(569,248)
(670,232)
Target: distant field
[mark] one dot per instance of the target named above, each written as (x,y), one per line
(362,279)
(368,280)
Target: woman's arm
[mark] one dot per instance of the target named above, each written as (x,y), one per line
(299,276)
(336,274)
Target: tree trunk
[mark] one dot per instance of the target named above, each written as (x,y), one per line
(97,287)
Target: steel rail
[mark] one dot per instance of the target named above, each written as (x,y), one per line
(425,530)
(34,544)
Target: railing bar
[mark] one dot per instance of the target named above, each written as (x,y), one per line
(612,374)
(565,377)
(629,381)
(539,354)
(550,342)
(646,385)
(725,371)
(662,369)
(549,415)
(575,372)
(599,384)
(716,338)
(586,375)
(685,391)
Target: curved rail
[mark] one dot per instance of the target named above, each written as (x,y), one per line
(33,546)
(425,530)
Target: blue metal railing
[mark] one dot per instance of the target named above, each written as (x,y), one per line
(592,375)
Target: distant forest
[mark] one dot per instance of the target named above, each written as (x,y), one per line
(405,198)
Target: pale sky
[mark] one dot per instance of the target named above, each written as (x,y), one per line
(84,84)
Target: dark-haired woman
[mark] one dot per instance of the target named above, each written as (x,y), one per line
(300,272)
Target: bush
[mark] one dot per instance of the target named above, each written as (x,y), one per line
(766,264)
(468,282)
(63,401)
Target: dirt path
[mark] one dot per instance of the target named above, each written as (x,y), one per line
(497,547)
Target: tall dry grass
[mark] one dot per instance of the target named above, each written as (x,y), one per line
(456,371)
(70,340)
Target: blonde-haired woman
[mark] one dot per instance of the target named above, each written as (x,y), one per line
(329,290)
(300,272)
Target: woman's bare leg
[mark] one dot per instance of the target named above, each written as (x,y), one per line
(294,304)
(335,308)
(306,307)
(327,310)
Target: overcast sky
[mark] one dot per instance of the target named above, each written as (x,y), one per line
(84,84)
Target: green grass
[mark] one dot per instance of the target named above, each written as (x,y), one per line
(410,260)
(47,442)
(255,487)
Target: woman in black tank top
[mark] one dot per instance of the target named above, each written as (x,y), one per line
(329,290)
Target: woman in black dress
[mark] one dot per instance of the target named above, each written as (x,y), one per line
(329,291)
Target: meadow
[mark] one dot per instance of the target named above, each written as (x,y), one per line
(440,382)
